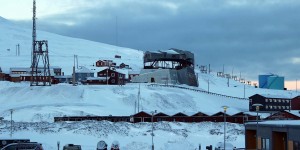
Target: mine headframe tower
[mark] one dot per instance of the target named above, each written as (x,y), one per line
(40,72)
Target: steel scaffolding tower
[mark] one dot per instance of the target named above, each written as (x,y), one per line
(40,73)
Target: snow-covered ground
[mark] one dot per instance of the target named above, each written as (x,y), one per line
(35,107)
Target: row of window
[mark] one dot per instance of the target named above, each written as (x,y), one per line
(277,100)
(277,107)
(112,74)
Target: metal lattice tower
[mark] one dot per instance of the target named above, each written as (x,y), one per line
(40,69)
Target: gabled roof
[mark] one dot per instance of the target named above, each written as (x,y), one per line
(220,114)
(200,114)
(142,113)
(179,114)
(271,96)
(83,69)
(161,114)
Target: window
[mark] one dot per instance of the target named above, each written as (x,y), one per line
(275,100)
(113,74)
(271,100)
(266,100)
(279,101)
(271,107)
(265,144)
(275,107)
(267,107)
(283,107)
(279,107)
(287,107)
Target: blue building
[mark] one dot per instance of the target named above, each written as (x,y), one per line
(271,81)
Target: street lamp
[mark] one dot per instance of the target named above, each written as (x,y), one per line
(257,109)
(152,134)
(225,108)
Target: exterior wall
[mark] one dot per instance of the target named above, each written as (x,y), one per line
(263,81)
(295,104)
(280,137)
(269,104)
(82,76)
(275,82)
(271,82)
(154,76)
(114,78)
(95,82)
(167,76)
(2,76)
(57,71)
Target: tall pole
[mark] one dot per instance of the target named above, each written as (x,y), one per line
(11,123)
(152,132)
(257,109)
(257,127)
(225,108)
(139,95)
(33,33)
(74,72)
(107,76)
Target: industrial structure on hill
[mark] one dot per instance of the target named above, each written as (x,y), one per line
(271,81)
(171,66)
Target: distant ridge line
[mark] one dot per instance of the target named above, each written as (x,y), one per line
(198,90)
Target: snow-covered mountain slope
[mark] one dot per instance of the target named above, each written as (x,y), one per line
(35,107)
(61,49)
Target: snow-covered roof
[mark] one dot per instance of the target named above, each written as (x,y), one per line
(294,112)
(83,69)
(281,123)
(274,96)
(169,51)
(96,78)
(20,69)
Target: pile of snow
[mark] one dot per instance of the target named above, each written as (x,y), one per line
(167,135)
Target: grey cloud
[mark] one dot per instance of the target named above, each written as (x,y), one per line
(255,37)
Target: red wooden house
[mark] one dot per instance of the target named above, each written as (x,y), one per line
(142,117)
(295,103)
(112,77)
(105,63)
(285,115)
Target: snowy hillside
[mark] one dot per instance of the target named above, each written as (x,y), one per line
(61,49)
(35,107)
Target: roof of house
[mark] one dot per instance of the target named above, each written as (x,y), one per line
(277,123)
(272,96)
(96,78)
(83,69)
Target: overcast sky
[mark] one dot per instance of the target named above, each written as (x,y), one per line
(249,36)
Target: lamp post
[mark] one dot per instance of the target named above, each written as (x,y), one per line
(257,109)
(225,108)
(152,134)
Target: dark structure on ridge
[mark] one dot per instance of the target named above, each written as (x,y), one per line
(171,66)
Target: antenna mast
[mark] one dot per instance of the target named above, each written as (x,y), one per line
(40,75)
